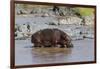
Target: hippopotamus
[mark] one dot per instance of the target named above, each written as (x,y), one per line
(51,38)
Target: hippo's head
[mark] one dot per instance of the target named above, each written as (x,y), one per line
(67,43)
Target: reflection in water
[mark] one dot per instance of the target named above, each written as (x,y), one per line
(49,55)
(51,51)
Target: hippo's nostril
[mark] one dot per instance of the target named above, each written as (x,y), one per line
(70,46)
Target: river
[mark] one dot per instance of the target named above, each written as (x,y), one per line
(25,54)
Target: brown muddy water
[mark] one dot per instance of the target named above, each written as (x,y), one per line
(25,54)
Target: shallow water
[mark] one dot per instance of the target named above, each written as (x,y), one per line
(25,54)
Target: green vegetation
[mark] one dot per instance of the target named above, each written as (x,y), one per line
(85,11)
